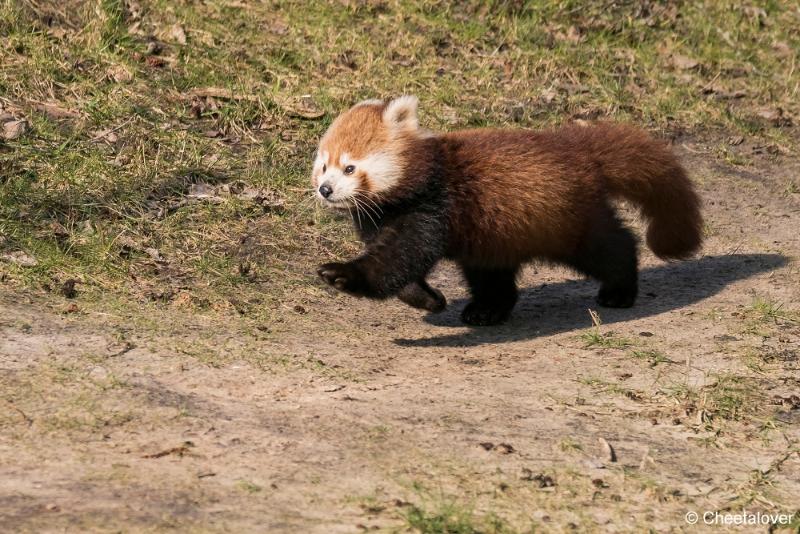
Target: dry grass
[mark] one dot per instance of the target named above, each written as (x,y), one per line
(129,103)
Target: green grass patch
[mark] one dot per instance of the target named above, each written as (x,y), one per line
(130,104)
(450,517)
(595,337)
(613,388)
(729,398)
(651,356)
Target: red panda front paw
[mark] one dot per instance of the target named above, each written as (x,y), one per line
(344,277)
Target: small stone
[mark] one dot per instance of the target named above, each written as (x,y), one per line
(98,373)
(504,448)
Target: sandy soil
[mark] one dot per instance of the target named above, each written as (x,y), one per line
(346,417)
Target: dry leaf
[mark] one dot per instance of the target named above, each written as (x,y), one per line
(278,27)
(56,112)
(594,463)
(14,129)
(203,191)
(608,450)
(303,107)
(723,94)
(176,34)
(726,36)
(730,95)
(782,49)
(647,461)
(119,74)
(136,29)
(757,13)
(573,35)
(219,92)
(683,62)
(155,254)
(239,189)
(775,116)
(57,32)
(735,141)
(20,258)
(104,135)
(548,95)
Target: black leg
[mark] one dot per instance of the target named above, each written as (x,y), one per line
(494,293)
(609,255)
(420,295)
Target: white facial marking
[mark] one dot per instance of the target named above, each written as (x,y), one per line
(383,170)
(316,170)
(343,186)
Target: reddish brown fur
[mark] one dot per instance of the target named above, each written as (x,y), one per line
(358,133)
(520,194)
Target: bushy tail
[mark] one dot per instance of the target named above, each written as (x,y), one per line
(645,171)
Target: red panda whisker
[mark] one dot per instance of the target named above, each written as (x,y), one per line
(366,198)
(358,209)
(372,205)
(369,204)
(350,212)
(366,213)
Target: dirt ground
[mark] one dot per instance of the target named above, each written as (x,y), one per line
(353,415)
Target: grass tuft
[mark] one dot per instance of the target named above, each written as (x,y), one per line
(595,338)
(452,518)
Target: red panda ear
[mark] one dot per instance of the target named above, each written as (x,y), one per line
(402,112)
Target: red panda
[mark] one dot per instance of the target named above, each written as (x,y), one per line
(492,200)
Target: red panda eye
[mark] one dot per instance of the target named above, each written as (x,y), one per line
(350,169)
(324,168)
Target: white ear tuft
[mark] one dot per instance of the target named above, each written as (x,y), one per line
(402,112)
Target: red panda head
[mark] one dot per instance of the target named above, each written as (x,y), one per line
(361,154)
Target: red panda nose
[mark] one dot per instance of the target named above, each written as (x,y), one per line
(325,190)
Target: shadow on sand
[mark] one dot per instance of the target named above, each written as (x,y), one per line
(562,307)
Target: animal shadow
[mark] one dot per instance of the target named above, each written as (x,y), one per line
(561,307)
